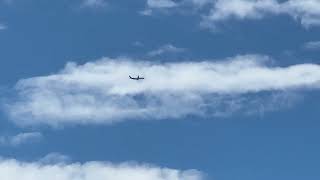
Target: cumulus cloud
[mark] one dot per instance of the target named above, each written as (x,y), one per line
(168,48)
(21,138)
(101,92)
(312,45)
(16,170)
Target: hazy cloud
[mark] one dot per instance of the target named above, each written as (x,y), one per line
(171,5)
(3,26)
(312,45)
(55,158)
(21,138)
(168,48)
(16,170)
(138,44)
(94,3)
(161,3)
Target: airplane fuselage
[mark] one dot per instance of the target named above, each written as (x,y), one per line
(137,78)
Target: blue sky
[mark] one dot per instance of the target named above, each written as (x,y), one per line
(231,89)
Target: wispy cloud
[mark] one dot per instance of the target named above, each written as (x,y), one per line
(94,3)
(21,138)
(101,92)
(168,48)
(3,27)
(12,169)
(165,5)
(161,3)
(312,45)
(55,158)
(307,12)
(138,44)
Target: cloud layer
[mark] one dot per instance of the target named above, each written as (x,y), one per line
(101,92)
(16,170)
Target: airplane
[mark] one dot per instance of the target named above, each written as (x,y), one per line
(137,78)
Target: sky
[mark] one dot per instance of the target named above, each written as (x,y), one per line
(231,89)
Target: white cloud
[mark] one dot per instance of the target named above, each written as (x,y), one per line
(168,48)
(17,170)
(305,11)
(20,139)
(94,3)
(242,9)
(312,45)
(101,92)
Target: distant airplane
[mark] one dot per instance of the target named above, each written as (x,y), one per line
(137,78)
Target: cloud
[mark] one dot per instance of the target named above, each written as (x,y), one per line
(21,138)
(94,3)
(152,5)
(242,9)
(138,44)
(172,5)
(3,27)
(307,12)
(312,45)
(161,3)
(146,12)
(101,93)
(16,170)
(55,158)
(165,4)
(168,48)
